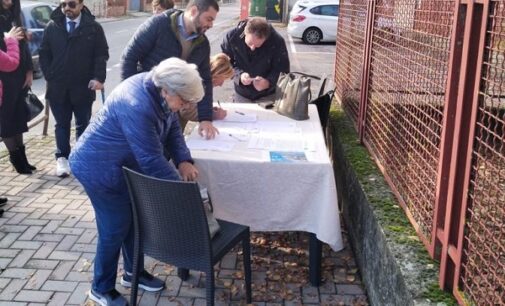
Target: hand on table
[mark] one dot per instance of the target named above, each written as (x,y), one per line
(218,113)
(188,171)
(207,130)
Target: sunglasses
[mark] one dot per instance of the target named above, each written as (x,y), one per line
(70,4)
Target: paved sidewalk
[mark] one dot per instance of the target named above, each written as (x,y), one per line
(48,240)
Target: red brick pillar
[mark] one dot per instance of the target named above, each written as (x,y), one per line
(244,9)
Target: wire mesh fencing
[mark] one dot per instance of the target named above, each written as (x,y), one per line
(349,54)
(483,266)
(397,95)
(407,84)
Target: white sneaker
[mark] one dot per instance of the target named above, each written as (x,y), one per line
(62,167)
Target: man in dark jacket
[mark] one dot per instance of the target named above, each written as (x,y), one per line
(176,34)
(73,57)
(258,54)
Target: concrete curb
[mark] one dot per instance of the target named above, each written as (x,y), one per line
(395,266)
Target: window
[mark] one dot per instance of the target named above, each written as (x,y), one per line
(326,10)
(41,16)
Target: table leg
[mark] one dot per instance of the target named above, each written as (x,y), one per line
(315,253)
(183,274)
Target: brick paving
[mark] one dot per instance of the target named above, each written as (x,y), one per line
(48,239)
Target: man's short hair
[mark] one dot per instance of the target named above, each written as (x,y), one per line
(165,4)
(203,5)
(258,26)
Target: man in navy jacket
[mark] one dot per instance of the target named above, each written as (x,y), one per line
(258,54)
(175,33)
(73,57)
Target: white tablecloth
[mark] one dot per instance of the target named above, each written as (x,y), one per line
(247,188)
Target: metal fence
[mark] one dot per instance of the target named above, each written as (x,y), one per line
(424,83)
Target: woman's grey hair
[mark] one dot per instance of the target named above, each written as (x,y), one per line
(180,78)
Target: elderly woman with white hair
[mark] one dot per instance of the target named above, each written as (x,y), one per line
(139,119)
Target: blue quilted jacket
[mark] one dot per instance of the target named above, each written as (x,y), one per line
(130,130)
(156,40)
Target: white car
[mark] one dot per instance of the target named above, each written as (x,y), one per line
(314,20)
(34,17)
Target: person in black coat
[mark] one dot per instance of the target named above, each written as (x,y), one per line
(14,113)
(181,34)
(258,54)
(73,57)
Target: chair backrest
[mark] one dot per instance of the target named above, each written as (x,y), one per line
(170,219)
(323,104)
(322,84)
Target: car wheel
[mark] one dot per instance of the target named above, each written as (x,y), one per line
(312,36)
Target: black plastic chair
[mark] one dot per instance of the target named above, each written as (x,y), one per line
(171,226)
(323,103)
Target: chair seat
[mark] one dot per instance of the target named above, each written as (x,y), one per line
(170,225)
(228,231)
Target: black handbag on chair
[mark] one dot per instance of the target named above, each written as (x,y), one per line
(35,107)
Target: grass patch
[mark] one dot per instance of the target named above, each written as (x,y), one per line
(400,234)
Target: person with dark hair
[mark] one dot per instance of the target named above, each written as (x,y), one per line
(73,58)
(159,6)
(14,112)
(184,37)
(258,55)
(9,61)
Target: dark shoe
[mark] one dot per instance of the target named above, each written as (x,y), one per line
(146,281)
(3,201)
(111,298)
(183,274)
(18,162)
(23,155)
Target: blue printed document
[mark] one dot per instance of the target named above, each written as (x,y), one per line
(287,157)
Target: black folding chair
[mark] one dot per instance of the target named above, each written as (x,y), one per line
(171,226)
(323,102)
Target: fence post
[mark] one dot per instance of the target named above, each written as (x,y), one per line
(447,135)
(457,136)
(365,77)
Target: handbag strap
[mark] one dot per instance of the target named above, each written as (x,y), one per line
(307,75)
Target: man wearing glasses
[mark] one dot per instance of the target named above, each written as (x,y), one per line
(73,57)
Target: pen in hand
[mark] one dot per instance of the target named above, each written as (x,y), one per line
(219,103)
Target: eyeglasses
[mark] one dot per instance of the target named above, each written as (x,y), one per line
(70,4)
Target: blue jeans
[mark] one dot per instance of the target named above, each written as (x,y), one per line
(62,112)
(115,232)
